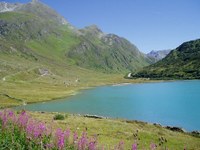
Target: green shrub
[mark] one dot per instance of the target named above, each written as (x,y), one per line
(59,117)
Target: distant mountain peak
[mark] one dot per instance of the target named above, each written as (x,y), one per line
(35,1)
(5,7)
(159,54)
(92,30)
(112,38)
(42,10)
(35,7)
(93,27)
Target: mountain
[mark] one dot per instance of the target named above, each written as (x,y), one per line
(158,55)
(6,7)
(38,33)
(107,52)
(181,63)
(44,57)
(34,7)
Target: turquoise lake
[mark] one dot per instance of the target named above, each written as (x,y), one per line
(167,103)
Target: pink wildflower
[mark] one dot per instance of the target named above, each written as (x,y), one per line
(23,119)
(60,138)
(82,143)
(153,146)
(92,145)
(134,146)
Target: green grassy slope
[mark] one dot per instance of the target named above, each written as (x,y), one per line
(43,57)
(109,132)
(39,31)
(181,63)
(107,52)
(23,79)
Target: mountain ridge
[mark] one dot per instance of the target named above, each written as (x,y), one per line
(42,59)
(34,7)
(158,54)
(35,22)
(5,7)
(181,63)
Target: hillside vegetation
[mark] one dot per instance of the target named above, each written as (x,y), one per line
(38,32)
(43,57)
(181,63)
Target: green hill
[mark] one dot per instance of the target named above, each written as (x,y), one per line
(181,63)
(42,56)
(107,52)
(37,31)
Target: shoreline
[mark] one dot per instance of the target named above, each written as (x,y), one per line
(92,116)
(97,117)
(121,84)
(110,131)
(78,90)
(169,127)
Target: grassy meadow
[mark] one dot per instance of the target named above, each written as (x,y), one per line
(40,130)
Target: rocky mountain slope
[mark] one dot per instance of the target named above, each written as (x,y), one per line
(181,63)
(36,32)
(158,55)
(6,7)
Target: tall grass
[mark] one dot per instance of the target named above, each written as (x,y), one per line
(21,131)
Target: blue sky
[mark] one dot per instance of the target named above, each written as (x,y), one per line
(149,24)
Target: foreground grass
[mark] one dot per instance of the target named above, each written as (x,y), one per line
(109,132)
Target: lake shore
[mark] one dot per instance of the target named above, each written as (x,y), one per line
(175,136)
(110,131)
(129,99)
(65,92)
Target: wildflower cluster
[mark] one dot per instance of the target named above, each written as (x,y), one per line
(20,131)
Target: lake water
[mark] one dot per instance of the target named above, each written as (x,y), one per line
(168,103)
